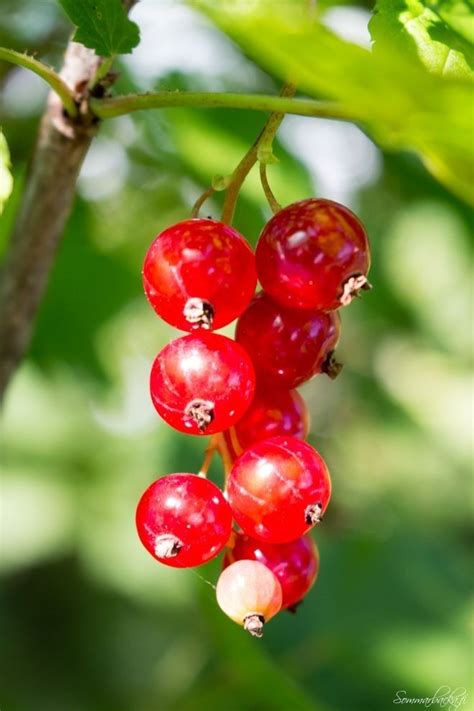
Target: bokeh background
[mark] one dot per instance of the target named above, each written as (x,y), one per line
(90,621)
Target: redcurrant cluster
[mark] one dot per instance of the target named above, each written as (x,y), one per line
(312,258)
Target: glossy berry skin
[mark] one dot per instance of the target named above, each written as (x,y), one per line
(202,383)
(273,412)
(188,511)
(307,253)
(278,489)
(287,346)
(295,564)
(250,594)
(199,273)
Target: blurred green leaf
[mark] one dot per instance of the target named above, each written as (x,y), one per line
(458,15)
(398,102)
(417,27)
(102,25)
(6,178)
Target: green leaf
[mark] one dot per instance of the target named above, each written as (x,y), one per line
(6,178)
(436,33)
(102,25)
(397,101)
(458,15)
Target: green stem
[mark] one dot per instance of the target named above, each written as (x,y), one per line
(272,201)
(102,70)
(200,201)
(238,177)
(120,105)
(265,138)
(46,73)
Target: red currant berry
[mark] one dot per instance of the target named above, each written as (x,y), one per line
(199,274)
(295,564)
(250,594)
(202,383)
(313,254)
(278,489)
(273,412)
(183,520)
(288,346)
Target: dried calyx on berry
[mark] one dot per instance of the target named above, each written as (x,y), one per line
(198,313)
(202,383)
(331,366)
(199,273)
(278,489)
(254,625)
(167,546)
(352,288)
(250,594)
(313,514)
(287,346)
(313,254)
(201,412)
(183,520)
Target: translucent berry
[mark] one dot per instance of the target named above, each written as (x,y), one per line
(249,594)
(278,489)
(288,346)
(273,412)
(183,520)
(199,274)
(313,254)
(295,564)
(202,383)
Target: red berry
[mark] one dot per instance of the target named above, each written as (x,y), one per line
(250,594)
(288,346)
(183,520)
(278,489)
(202,383)
(199,273)
(295,564)
(313,254)
(273,412)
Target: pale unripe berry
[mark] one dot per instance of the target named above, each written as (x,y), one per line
(250,594)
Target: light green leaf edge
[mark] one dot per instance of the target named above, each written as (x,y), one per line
(415,27)
(396,101)
(6,177)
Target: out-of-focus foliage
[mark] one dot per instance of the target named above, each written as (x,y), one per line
(102,25)
(442,32)
(389,91)
(90,621)
(6,179)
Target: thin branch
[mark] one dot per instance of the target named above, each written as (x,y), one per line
(47,199)
(54,80)
(120,105)
(264,138)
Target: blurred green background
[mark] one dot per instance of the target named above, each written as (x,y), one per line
(90,621)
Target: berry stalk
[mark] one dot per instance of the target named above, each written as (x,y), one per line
(209,452)
(265,137)
(271,199)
